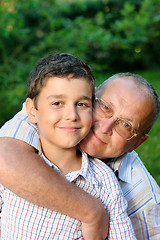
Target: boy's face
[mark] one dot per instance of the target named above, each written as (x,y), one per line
(64,114)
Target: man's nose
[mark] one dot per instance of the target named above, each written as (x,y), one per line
(106,125)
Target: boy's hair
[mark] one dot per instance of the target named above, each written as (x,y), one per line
(59,65)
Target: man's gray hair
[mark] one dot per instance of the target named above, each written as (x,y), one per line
(140,81)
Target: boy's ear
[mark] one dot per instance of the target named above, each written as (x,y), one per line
(31,111)
(139,142)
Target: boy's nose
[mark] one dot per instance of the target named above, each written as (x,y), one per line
(71,113)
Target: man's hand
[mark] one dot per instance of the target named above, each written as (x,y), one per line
(98,228)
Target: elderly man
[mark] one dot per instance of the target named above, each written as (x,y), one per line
(125,110)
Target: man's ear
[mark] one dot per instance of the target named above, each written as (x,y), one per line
(139,142)
(31,111)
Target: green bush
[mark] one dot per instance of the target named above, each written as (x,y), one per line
(110,35)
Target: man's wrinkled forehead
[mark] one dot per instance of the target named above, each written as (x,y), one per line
(120,94)
(127,94)
(102,89)
(113,81)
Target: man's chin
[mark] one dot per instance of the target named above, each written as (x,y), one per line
(91,145)
(84,145)
(87,147)
(91,148)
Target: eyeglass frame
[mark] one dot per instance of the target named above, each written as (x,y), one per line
(135,134)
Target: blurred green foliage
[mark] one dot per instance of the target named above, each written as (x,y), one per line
(110,35)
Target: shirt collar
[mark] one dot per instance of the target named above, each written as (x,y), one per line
(71,176)
(84,171)
(123,165)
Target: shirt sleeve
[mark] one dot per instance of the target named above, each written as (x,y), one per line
(147,222)
(143,197)
(21,128)
(1,203)
(0,214)
(120,224)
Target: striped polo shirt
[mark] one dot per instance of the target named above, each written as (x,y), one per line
(21,219)
(142,194)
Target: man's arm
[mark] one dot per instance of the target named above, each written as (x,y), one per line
(26,174)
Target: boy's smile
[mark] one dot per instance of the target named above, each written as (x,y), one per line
(64,113)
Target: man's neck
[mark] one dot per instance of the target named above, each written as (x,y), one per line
(108,160)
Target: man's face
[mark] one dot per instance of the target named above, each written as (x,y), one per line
(128,102)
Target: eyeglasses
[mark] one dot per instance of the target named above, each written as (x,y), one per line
(121,126)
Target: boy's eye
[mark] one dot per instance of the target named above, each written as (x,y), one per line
(58,104)
(83,105)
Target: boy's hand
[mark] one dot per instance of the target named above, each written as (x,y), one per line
(98,229)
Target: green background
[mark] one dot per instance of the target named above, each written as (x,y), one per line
(110,35)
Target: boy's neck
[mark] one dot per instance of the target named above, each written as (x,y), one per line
(67,160)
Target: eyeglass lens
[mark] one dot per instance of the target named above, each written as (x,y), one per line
(123,128)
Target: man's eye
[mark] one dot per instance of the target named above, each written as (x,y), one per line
(126,125)
(105,108)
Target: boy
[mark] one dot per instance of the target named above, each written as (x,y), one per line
(60,93)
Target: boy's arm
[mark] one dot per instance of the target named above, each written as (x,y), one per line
(26,174)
